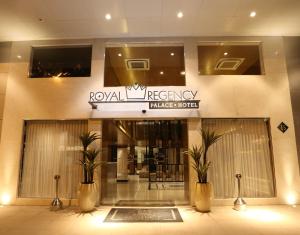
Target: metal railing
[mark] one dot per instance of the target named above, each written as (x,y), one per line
(166,173)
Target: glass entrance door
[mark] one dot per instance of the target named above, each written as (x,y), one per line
(144,161)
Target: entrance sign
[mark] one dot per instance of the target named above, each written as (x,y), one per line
(155,98)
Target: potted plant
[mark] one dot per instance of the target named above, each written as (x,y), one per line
(88,191)
(201,165)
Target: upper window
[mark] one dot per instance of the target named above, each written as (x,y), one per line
(145,65)
(61,62)
(223,59)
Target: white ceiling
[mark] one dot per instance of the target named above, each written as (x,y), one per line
(19,19)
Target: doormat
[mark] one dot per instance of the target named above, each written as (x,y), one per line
(145,203)
(133,215)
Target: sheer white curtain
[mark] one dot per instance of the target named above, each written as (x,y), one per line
(243,149)
(50,148)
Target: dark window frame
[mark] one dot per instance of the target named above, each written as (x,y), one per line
(259,44)
(57,47)
(144,44)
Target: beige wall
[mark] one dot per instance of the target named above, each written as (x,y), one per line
(221,96)
(5,49)
(292,55)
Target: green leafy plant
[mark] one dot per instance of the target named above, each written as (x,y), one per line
(90,164)
(87,139)
(199,154)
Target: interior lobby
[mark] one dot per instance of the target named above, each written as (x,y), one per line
(149,117)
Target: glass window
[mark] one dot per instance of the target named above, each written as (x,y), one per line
(61,62)
(230,59)
(243,149)
(145,65)
(50,148)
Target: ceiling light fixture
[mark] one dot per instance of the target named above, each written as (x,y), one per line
(225,53)
(108,16)
(172,53)
(119,54)
(252,14)
(19,56)
(182,72)
(161,72)
(179,14)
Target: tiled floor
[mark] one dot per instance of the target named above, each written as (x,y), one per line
(258,220)
(137,189)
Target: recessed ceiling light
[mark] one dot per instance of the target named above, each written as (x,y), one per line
(180,14)
(108,16)
(252,14)
(172,53)
(120,54)
(19,56)
(182,72)
(225,53)
(161,72)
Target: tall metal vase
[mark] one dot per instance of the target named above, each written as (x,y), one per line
(203,197)
(88,195)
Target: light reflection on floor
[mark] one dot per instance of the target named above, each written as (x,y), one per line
(262,215)
(137,189)
(256,220)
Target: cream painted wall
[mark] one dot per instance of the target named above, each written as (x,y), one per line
(221,96)
(5,48)
(4,67)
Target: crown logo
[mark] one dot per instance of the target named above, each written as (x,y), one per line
(136,92)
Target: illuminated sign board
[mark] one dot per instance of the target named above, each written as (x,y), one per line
(163,98)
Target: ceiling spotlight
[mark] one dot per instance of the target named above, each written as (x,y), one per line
(179,14)
(225,53)
(252,14)
(172,53)
(19,56)
(119,54)
(108,16)
(161,72)
(182,73)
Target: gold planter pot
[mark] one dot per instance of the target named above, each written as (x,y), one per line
(88,195)
(203,197)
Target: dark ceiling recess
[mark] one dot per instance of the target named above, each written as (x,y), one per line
(229,60)
(149,66)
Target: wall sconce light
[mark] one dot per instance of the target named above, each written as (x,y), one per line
(239,203)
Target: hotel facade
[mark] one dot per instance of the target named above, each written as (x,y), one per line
(148,110)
